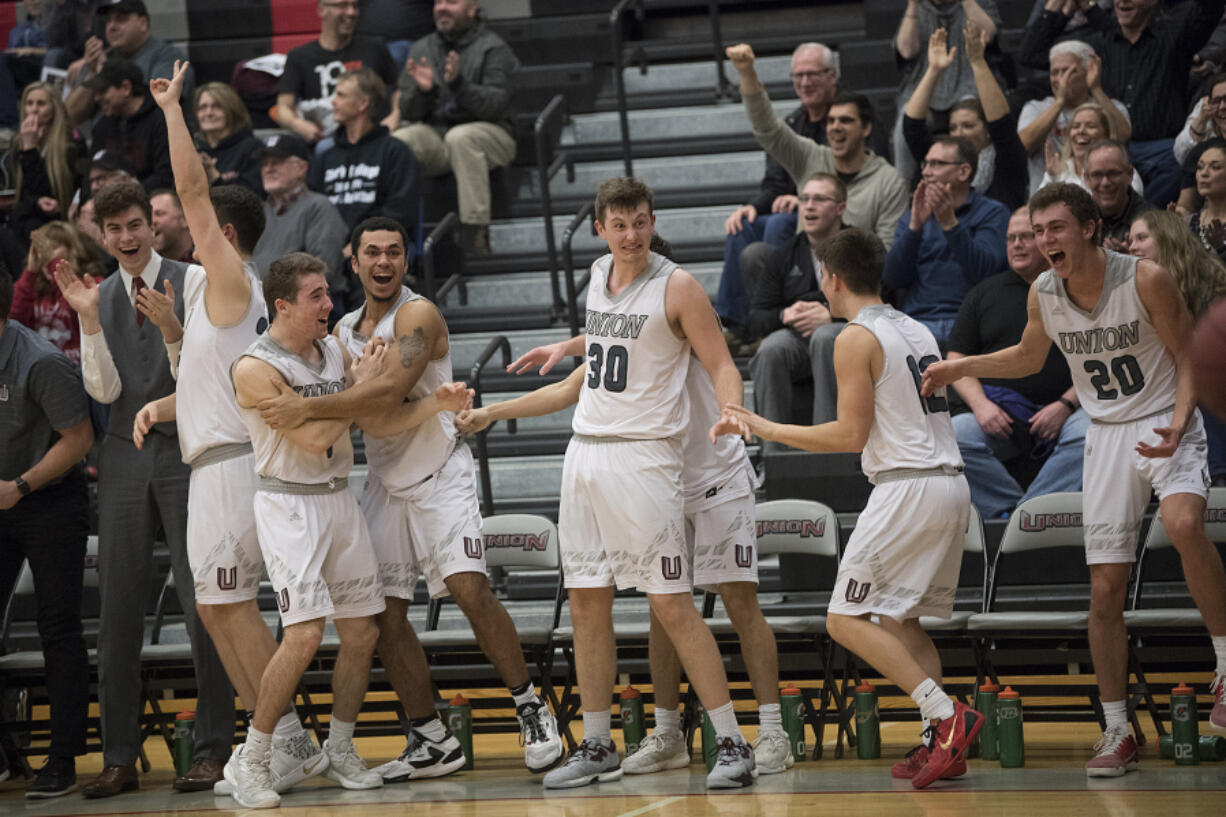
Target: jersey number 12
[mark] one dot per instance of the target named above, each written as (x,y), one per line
(931,405)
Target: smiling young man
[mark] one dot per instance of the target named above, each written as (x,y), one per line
(1123,327)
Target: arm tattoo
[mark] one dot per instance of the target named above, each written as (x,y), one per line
(411,347)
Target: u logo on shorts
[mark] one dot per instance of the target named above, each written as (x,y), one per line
(856,593)
(283,600)
(472,547)
(670,567)
(744,555)
(227,578)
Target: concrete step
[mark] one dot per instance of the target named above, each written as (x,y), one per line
(724,118)
(698,75)
(674,173)
(533,289)
(689,225)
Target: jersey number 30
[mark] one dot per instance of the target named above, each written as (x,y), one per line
(609,367)
(1127,373)
(934,404)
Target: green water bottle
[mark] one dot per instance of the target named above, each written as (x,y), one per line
(868,724)
(633,727)
(460,722)
(985,704)
(1212,748)
(792,708)
(1009,729)
(708,741)
(184,742)
(1184,726)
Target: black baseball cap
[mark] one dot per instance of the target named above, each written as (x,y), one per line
(284,145)
(113,74)
(111,161)
(124,6)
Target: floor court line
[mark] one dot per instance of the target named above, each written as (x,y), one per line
(652,807)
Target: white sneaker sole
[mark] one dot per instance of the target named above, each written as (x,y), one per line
(350,783)
(259,804)
(396,772)
(224,788)
(1102,771)
(603,777)
(741,782)
(677,761)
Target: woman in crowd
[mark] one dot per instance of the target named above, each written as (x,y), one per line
(38,303)
(1090,124)
(1209,222)
(1164,237)
(48,161)
(225,139)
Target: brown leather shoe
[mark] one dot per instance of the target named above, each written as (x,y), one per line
(205,771)
(111,781)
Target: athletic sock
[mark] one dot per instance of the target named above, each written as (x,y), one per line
(668,721)
(723,718)
(1115,713)
(596,725)
(288,726)
(770,718)
(430,727)
(1219,649)
(259,745)
(339,732)
(933,703)
(524,694)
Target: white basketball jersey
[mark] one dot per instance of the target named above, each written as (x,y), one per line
(706,465)
(208,414)
(1121,368)
(909,431)
(636,366)
(405,460)
(275,455)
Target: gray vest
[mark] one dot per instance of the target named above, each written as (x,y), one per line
(138,351)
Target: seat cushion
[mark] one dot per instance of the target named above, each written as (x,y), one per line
(1022,621)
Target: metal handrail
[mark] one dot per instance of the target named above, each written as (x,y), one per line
(623,116)
(723,88)
(450,225)
(546,170)
(497,343)
(568,264)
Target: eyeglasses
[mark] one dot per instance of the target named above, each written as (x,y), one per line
(939,163)
(1104,176)
(1217,101)
(812,76)
(816,198)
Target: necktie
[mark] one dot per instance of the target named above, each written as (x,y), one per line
(138,284)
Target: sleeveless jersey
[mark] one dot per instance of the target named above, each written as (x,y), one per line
(706,465)
(208,413)
(636,366)
(275,455)
(405,460)
(1121,368)
(909,431)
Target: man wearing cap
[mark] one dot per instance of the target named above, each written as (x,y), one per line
(128,35)
(298,219)
(108,167)
(130,124)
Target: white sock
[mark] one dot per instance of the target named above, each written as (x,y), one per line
(259,745)
(770,718)
(432,728)
(723,718)
(668,721)
(339,732)
(1219,649)
(1116,714)
(287,727)
(933,703)
(596,725)
(526,695)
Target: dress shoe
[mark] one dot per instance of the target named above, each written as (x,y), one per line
(111,781)
(205,771)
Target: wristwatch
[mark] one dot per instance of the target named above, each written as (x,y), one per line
(1067,403)
(22,486)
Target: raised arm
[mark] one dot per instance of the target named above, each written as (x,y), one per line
(546,400)
(255,381)
(907,40)
(940,57)
(991,97)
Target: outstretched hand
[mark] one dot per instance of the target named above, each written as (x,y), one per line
(472,421)
(159,307)
(940,55)
(166,92)
(740,421)
(1170,441)
(545,357)
(976,41)
(454,397)
(80,292)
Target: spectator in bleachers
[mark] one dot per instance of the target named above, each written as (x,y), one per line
(1209,222)
(771,217)
(1003,173)
(69,24)
(49,154)
(1205,126)
(106,168)
(1108,175)
(125,365)
(130,124)
(227,145)
(1090,125)
(312,71)
(920,21)
(1009,421)
(128,36)
(399,23)
(876,194)
(950,239)
(171,237)
(1075,74)
(27,45)
(368,172)
(791,314)
(45,433)
(38,303)
(1146,59)
(297,219)
(1165,239)
(455,101)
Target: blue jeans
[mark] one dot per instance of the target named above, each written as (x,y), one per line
(994,491)
(1215,434)
(940,329)
(1155,161)
(732,300)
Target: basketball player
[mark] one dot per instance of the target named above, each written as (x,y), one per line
(902,560)
(1122,324)
(420,503)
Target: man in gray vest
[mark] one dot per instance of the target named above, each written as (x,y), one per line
(124,363)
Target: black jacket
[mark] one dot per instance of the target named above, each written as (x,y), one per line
(238,160)
(141,140)
(377,176)
(786,276)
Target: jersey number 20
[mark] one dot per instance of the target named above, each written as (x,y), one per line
(1127,373)
(934,404)
(609,367)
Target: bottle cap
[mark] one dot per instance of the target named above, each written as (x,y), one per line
(629,692)
(789,690)
(865,686)
(1010,693)
(1182,689)
(459,700)
(989,687)
(185,716)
